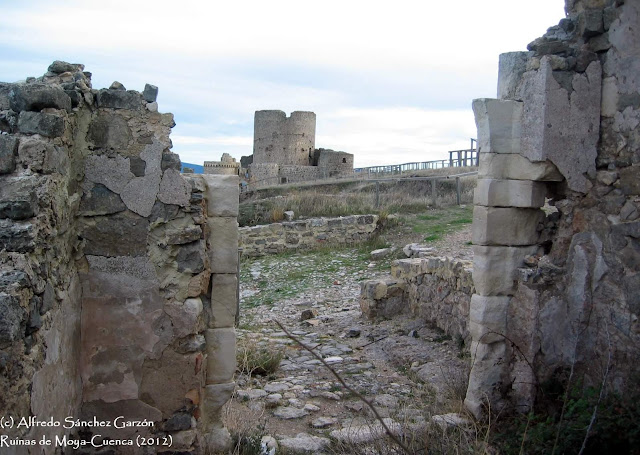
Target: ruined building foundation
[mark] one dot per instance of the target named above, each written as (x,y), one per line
(118,275)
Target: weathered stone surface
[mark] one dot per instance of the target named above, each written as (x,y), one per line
(505,226)
(123,324)
(223,244)
(224,300)
(223,192)
(119,99)
(60,67)
(382,298)
(171,161)
(511,67)
(8,152)
(150,93)
(175,373)
(629,180)
(18,199)
(488,318)
(185,316)
(12,317)
(99,200)
(191,257)
(486,377)
(138,267)
(16,236)
(509,193)
(109,131)
(185,235)
(221,357)
(498,123)
(516,167)
(114,173)
(494,268)
(362,434)
(174,189)
(289,412)
(49,125)
(215,396)
(562,125)
(35,97)
(305,443)
(139,194)
(123,234)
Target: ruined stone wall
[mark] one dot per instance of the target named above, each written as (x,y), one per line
(292,174)
(435,289)
(306,234)
(284,140)
(558,289)
(110,260)
(264,174)
(332,163)
(226,166)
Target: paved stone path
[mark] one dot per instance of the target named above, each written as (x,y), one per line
(402,366)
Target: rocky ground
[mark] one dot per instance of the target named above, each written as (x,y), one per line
(409,370)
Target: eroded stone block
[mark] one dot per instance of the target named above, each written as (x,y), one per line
(223,194)
(221,355)
(119,99)
(511,67)
(509,193)
(505,226)
(516,167)
(561,119)
(150,93)
(498,123)
(494,268)
(224,300)
(487,376)
(8,152)
(35,97)
(488,318)
(223,244)
(174,189)
(39,123)
(18,199)
(114,173)
(122,234)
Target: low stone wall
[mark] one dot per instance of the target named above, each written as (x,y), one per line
(437,289)
(306,234)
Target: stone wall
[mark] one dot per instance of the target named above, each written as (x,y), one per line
(226,166)
(435,289)
(333,163)
(557,290)
(306,234)
(110,258)
(294,174)
(284,140)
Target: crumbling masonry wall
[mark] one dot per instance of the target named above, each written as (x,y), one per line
(435,289)
(306,234)
(557,289)
(118,275)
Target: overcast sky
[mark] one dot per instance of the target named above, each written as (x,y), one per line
(390,82)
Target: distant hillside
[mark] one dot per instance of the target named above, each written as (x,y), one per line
(197,168)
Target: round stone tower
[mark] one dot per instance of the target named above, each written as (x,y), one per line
(284,140)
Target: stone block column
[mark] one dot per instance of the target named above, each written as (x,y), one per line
(505,219)
(222,194)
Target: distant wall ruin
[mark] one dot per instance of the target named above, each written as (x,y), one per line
(306,234)
(118,275)
(565,128)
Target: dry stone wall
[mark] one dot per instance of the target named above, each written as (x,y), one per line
(435,289)
(556,290)
(306,234)
(118,275)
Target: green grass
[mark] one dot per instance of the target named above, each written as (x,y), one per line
(438,222)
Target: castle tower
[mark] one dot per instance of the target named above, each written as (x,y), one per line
(284,140)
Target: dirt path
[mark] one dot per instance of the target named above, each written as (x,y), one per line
(406,368)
